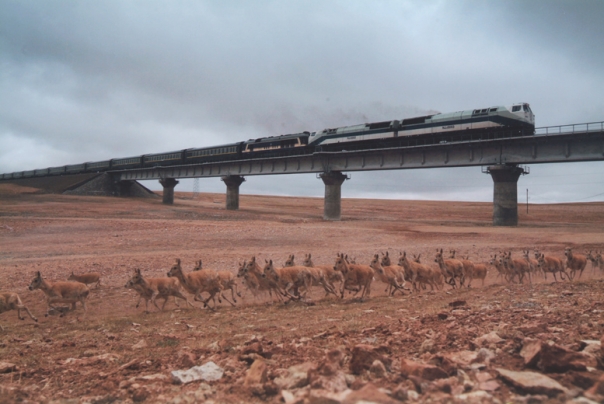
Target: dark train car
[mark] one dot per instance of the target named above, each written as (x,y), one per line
(164,159)
(97,166)
(216,153)
(75,168)
(56,170)
(126,162)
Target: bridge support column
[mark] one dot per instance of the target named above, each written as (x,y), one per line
(168,184)
(333,194)
(232,183)
(505,194)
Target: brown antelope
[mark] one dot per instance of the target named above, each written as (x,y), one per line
(87,279)
(574,262)
(289,279)
(497,263)
(596,260)
(11,301)
(480,272)
(60,292)
(552,265)
(357,275)
(421,273)
(532,262)
(151,289)
(254,278)
(198,282)
(468,267)
(330,275)
(451,269)
(516,267)
(227,281)
(390,275)
(319,277)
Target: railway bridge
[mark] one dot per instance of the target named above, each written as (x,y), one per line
(504,160)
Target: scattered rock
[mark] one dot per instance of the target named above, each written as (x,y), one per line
(208,372)
(6,367)
(364,355)
(368,394)
(488,339)
(377,369)
(555,358)
(140,344)
(257,373)
(532,382)
(531,351)
(297,376)
(427,372)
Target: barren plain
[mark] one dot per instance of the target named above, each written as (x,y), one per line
(497,342)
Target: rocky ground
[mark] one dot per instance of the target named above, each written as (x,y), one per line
(497,342)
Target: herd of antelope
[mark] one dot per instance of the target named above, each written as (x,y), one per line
(294,282)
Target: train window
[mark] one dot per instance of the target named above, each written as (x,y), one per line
(516,108)
(493,110)
(526,108)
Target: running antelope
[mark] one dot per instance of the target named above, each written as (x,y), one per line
(11,301)
(87,279)
(319,277)
(60,292)
(451,269)
(151,289)
(468,267)
(390,275)
(227,282)
(552,265)
(198,282)
(574,262)
(289,279)
(596,260)
(355,275)
(330,275)
(421,273)
(255,280)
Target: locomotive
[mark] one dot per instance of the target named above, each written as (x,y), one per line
(476,124)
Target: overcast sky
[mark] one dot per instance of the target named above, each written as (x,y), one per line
(92,80)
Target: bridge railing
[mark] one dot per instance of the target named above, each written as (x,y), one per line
(570,129)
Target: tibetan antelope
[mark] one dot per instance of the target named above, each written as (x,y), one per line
(319,277)
(356,277)
(197,282)
(289,279)
(330,275)
(390,275)
(227,280)
(87,279)
(552,265)
(151,289)
(451,269)
(60,292)
(574,262)
(11,301)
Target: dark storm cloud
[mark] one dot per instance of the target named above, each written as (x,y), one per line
(93,80)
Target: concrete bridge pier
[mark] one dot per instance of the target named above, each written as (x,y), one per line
(505,194)
(333,194)
(168,184)
(232,183)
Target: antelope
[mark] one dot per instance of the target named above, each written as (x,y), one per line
(532,262)
(86,279)
(289,278)
(60,292)
(198,282)
(151,289)
(11,301)
(390,275)
(516,266)
(256,281)
(575,262)
(468,267)
(421,273)
(450,268)
(498,264)
(354,275)
(550,264)
(398,269)
(330,275)
(319,277)
(480,272)
(596,259)
(227,281)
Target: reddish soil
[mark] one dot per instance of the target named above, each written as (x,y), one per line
(116,352)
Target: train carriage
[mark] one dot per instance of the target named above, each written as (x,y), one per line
(225,152)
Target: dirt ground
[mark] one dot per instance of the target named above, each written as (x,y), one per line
(115,352)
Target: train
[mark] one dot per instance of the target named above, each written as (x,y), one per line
(476,124)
